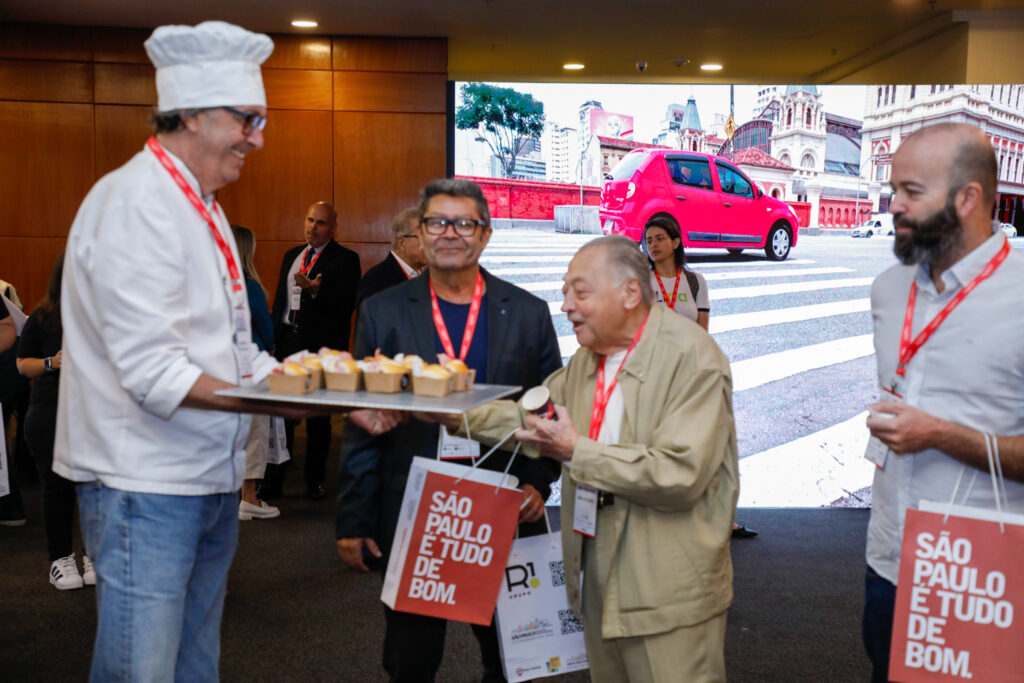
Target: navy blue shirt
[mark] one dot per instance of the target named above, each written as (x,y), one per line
(455,320)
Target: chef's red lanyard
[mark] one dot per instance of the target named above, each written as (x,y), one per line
(671,303)
(910,348)
(165,161)
(602,396)
(305,269)
(474,314)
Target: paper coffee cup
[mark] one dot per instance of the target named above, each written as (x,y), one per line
(538,402)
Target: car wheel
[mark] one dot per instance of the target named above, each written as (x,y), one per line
(776,248)
(734,252)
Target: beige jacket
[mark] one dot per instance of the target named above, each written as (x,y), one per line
(664,544)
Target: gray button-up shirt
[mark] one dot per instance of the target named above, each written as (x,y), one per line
(971,371)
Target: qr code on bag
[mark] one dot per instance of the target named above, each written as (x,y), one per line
(557,572)
(570,622)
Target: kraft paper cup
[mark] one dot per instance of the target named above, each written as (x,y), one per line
(432,386)
(385,382)
(537,401)
(464,380)
(290,384)
(342,381)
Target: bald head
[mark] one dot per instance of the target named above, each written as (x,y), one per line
(963,154)
(321,222)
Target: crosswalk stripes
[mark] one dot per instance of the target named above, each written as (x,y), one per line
(822,328)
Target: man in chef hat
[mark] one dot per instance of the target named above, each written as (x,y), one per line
(156,320)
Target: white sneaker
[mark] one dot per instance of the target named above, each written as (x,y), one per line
(247,511)
(88,572)
(64,573)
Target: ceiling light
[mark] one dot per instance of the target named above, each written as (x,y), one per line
(571,66)
(711,67)
(301,23)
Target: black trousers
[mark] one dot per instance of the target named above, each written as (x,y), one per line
(414,647)
(58,492)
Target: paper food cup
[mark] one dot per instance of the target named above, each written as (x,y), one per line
(386,382)
(538,402)
(463,380)
(432,386)
(290,384)
(318,377)
(342,381)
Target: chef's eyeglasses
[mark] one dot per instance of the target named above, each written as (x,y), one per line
(438,225)
(250,120)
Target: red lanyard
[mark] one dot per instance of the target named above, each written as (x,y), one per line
(601,396)
(474,314)
(908,348)
(671,303)
(165,161)
(305,269)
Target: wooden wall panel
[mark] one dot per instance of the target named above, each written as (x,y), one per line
(280,181)
(44,41)
(26,262)
(295,89)
(125,84)
(46,166)
(370,253)
(121,131)
(39,81)
(388,54)
(389,92)
(123,45)
(299,52)
(388,175)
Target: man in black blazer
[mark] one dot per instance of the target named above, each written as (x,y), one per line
(313,307)
(512,342)
(403,262)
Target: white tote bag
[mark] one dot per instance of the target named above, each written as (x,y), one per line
(277,451)
(538,633)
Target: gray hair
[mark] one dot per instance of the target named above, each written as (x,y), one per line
(626,261)
(170,121)
(401,224)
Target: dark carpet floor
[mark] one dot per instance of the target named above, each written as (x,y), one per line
(293,612)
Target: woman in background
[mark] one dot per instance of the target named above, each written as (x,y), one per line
(257,445)
(667,256)
(40,358)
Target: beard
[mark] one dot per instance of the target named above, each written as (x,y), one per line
(933,240)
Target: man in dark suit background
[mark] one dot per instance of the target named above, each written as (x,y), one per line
(403,262)
(313,307)
(512,342)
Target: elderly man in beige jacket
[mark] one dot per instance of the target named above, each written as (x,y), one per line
(643,423)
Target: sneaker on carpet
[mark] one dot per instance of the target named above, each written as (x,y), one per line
(64,573)
(264,510)
(88,571)
(12,519)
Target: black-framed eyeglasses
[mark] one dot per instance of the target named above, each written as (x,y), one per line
(410,235)
(438,225)
(250,120)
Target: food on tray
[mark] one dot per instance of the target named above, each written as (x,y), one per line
(291,368)
(334,361)
(435,372)
(456,365)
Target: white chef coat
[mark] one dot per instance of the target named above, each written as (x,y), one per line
(971,371)
(147,307)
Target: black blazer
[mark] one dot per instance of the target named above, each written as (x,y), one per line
(522,350)
(326,319)
(385,274)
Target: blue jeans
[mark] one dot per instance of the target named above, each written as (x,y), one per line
(161,566)
(879,605)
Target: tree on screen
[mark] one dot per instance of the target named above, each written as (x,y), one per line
(503,118)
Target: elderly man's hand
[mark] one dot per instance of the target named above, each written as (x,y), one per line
(553,438)
(351,552)
(909,430)
(312,286)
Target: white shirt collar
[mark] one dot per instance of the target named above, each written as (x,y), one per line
(409,270)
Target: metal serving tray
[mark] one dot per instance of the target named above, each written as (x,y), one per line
(457,402)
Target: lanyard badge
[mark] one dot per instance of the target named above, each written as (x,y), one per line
(671,303)
(474,314)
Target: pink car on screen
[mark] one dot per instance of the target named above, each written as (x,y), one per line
(714,204)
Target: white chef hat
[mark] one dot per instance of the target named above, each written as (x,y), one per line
(211,64)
